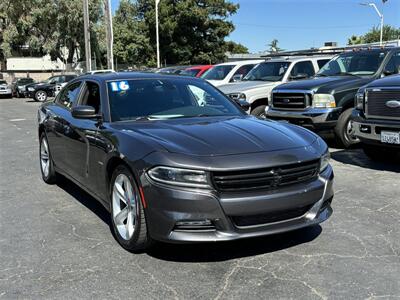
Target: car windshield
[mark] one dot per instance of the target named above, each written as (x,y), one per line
(153,99)
(190,72)
(218,72)
(354,63)
(3,82)
(268,71)
(24,81)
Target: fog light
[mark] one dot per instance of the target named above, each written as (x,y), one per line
(365,128)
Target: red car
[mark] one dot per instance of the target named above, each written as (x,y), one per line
(196,71)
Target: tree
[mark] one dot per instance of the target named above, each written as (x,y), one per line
(236,48)
(191,31)
(373,36)
(273,46)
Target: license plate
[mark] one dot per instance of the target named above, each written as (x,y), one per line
(390,137)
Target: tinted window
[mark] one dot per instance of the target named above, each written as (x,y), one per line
(268,71)
(393,65)
(69,95)
(3,82)
(91,95)
(243,70)
(190,72)
(166,99)
(25,80)
(303,67)
(218,72)
(322,62)
(355,63)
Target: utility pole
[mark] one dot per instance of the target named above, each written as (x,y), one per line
(109,35)
(157,36)
(87,35)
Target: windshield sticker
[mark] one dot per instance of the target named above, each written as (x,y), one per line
(117,86)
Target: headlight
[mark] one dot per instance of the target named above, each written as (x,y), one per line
(31,89)
(359,100)
(237,96)
(324,101)
(324,161)
(181,177)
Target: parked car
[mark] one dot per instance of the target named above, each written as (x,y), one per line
(376,118)
(5,89)
(42,90)
(19,84)
(229,72)
(172,167)
(177,70)
(257,85)
(196,71)
(325,103)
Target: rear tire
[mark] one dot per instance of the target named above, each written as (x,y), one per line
(128,219)
(49,174)
(259,111)
(344,130)
(40,96)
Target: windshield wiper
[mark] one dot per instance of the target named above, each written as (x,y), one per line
(344,74)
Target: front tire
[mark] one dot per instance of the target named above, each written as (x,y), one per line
(40,96)
(259,111)
(128,219)
(46,162)
(344,130)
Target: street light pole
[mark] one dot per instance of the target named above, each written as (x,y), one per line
(109,35)
(157,36)
(87,35)
(380,16)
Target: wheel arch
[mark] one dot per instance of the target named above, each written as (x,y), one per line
(258,102)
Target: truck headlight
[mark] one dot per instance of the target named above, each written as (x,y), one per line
(237,96)
(324,161)
(324,101)
(180,177)
(359,100)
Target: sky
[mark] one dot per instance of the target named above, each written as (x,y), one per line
(301,24)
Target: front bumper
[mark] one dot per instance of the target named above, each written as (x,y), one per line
(6,92)
(168,205)
(369,130)
(312,118)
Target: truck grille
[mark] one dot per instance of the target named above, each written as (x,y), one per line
(291,100)
(376,105)
(266,178)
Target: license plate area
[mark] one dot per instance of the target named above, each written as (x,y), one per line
(389,137)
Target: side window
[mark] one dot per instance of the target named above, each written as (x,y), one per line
(393,65)
(69,95)
(243,70)
(91,96)
(303,68)
(322,62)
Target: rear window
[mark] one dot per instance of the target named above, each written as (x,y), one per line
(322,62)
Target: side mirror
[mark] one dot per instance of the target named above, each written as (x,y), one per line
(243,104)
(237,77)
(387,73)
(84,112)
(299,76)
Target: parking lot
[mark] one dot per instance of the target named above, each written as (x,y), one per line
(55,240)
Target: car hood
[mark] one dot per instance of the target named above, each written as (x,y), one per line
(243,86)
(326,84)
(212,136)
(215,82)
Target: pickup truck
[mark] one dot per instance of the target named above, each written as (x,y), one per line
(325,102)
(376,118)
(256,86)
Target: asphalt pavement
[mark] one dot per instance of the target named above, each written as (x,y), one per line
(55,240)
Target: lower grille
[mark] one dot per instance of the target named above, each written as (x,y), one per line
(376,106)
(242,221)
(291,100)
(265,178)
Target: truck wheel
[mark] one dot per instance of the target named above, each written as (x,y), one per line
(344,130)
(259,111)
(40,96)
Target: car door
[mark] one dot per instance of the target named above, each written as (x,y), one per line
(82,139)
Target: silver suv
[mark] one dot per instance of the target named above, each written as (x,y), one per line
(257,85)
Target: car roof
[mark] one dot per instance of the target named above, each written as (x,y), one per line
(242,62)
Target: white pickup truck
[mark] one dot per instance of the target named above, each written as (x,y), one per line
(257,85)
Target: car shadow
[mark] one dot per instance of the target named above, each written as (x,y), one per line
(223,251)
(357,157)
(84,198)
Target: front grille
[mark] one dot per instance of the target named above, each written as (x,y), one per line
(277,216)
(291,100)
(376,106)
(265,178)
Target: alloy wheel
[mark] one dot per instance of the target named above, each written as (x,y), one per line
(44,157)
(350,132)
(41,96)
(125,208)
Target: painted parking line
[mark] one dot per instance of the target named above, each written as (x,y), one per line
(17,120)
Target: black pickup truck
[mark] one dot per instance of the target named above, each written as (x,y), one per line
(325,102)
(376,118)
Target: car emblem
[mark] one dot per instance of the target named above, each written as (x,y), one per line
(393,103)
(286,100)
